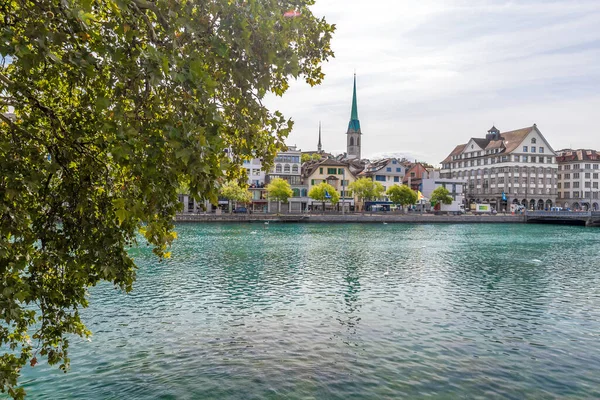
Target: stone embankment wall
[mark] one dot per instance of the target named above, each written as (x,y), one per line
(353,218)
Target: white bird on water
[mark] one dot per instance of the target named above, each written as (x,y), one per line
(387,272)
(385,223)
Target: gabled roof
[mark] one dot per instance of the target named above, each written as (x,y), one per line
(508,141)
(513,139)
(309,167)
(457,150)
(481,142)
(569,155)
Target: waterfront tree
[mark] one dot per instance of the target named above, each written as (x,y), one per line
(324,192)
(280,191)
(441,195)
(366,189)
(118,104)
(403,195)
(232,191)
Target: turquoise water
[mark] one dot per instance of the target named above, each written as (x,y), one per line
(306,311)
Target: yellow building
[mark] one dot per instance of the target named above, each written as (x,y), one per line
(334,172)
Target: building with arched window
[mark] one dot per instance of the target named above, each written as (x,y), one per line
(504,169)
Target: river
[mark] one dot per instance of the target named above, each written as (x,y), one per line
(365,311)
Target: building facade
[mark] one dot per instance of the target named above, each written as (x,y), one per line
(334,172)
(578,179)
(388,172)
(287,166)
(516,167)
(415,174)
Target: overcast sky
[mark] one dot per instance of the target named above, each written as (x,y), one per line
(433,73)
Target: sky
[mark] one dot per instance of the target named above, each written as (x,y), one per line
(433,73)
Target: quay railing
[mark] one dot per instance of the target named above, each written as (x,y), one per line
(562,214)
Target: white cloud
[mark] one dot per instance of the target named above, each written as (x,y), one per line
(432,74)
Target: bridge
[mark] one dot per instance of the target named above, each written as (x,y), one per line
(587,218)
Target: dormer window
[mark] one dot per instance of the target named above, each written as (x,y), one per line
(533,140)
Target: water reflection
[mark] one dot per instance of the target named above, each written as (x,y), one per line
(305,311)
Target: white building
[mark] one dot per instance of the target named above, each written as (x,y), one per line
(578,179)
(388,172)
(456,186)
(287,166)
(516,167)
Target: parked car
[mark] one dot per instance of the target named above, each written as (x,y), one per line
(240,210)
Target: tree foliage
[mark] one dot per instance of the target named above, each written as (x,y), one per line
(441,195)
(324,192)
(233,191)
(402,194)
(305,157)
(279,190)
(118,104)
(366,189)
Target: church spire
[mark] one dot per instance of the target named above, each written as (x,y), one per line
(354,124)
(353,134)
(319,147)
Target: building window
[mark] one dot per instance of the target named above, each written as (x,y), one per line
(278,168)
(541,149)
(312,182)
(596,166)
(524,158)
(576,175)
(388,169)
(595,176)
(567,185)
(533,159)
(295,168)
(380,178)
(340,171)
(286,168)
(331,171)
(398,169)
(412,174)
(524,149)
(533,140)
(396,179)
(587,175)
(533,149)
(575,185)
(321,171)
(588,166)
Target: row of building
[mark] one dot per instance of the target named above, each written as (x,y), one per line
(502,169)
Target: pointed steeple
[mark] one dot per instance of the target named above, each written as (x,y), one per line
(354,125)
(319,147)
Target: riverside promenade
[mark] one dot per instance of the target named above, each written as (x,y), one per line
(353,218)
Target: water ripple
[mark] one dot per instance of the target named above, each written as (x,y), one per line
(307,311)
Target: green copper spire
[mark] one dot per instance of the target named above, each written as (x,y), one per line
(354,124)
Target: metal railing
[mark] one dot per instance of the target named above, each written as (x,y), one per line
(566,214)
